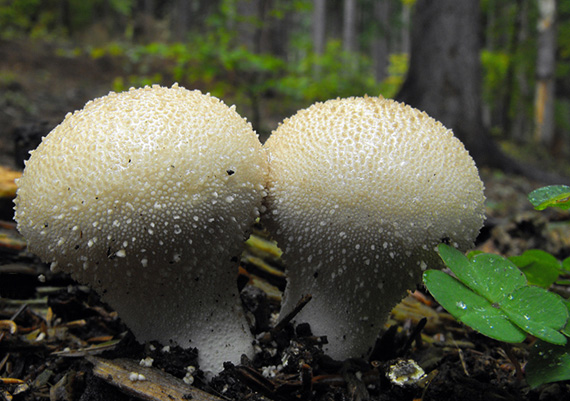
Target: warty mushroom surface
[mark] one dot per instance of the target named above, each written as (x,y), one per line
(361,190)
(147,196)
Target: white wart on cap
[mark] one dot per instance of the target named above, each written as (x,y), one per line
(147,196)
(360,192)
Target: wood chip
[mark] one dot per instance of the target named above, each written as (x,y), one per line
(7,182)
(156,385)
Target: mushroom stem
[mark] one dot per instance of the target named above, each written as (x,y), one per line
(159,310)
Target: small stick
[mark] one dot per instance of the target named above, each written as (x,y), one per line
(289,316)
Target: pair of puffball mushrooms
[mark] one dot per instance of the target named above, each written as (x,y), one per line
(147,196)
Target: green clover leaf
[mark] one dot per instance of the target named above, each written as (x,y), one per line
(550,196)
(492,296)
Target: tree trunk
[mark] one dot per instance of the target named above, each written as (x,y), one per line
(349,26)
(444,77)
(319,26)
(181,19)
(545,66)
(518,125)
(405,30)
(380,51)
(248,26)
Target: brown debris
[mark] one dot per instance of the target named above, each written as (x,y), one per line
(145,383)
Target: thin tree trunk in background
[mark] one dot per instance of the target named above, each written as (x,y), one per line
(319,26)
(349,26)
(144,21)
(277,29)
(65,17)
(319,31)
(505,116)
(181,19)
(545,66)
(380,50)
(405,46)
(247,30)
(518,129)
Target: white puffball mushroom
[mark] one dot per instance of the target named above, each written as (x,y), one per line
(147,196)
(361,190)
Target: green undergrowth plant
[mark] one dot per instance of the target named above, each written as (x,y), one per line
(508,299)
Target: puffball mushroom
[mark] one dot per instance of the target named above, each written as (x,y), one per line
(360,192)
(147,197)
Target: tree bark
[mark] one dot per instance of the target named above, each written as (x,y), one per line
(181,19)
(445,81)
(444,77)
(248,29)
(319,26)
(545,66)
(380,50)
(349,26)
(405,30)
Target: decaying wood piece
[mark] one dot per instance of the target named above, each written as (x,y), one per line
(144,382)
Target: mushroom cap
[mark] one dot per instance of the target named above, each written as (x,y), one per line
(360,192)
(147,196)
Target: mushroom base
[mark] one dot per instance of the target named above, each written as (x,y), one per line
(351,301)
(179,306)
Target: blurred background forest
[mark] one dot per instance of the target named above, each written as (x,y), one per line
(273,57)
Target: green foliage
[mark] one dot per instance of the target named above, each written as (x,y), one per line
(49,19)
(234,72)
(397,70)
(550,196)
(540,268)
(335,73)
(506,299)
(547,363)
(491,295)
(17,17)
(495,66)
(509,62)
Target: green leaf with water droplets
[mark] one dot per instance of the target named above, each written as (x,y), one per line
(492,296)
(550,196)
(538,312)
(470,308)
(490,276)
(547,363)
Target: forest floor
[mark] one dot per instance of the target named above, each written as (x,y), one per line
(59,342)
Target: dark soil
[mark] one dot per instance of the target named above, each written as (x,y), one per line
(52,330)
(60,325)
